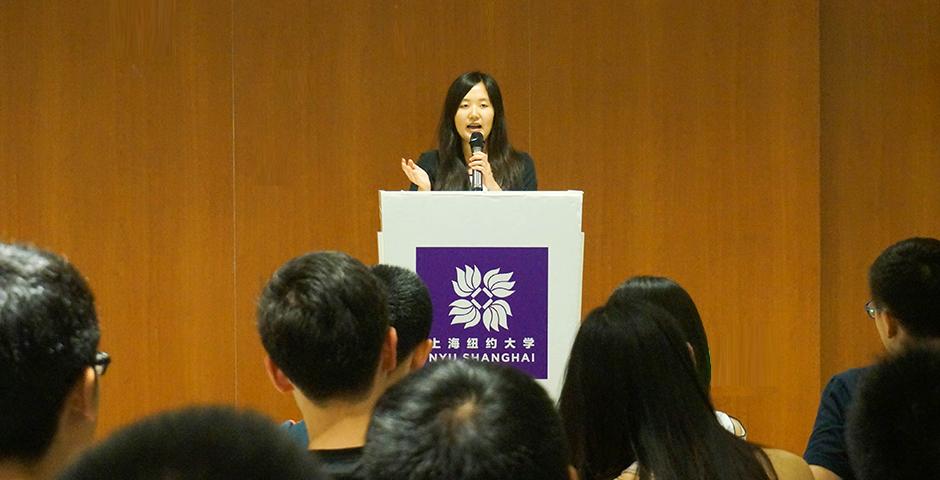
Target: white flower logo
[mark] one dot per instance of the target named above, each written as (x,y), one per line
(495,287)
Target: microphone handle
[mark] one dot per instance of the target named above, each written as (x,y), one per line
(476,180)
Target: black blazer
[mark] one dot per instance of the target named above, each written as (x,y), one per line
(429,160)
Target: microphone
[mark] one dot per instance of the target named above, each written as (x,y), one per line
(476,146)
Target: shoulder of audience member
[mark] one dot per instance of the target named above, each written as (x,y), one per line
(788,466)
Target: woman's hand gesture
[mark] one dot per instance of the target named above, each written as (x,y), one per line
(416,175)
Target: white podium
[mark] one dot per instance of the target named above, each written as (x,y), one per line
(503,269)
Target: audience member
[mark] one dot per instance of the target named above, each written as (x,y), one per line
(323,320)
(670,296)
(904,282)
(49,363)
(633,406)
(409,309)
(894,427)
(410,312)
(463,420)
(197,443)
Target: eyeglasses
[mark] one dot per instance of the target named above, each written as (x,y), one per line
(871,309)
(101,362)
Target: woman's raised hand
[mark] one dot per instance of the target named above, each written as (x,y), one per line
(416,175)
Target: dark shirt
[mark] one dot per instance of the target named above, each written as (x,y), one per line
(429,160)
(826,447)
(340,464)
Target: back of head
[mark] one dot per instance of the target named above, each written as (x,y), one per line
(905,281)
(200,443)
(465,421)
(894,426)
(322,319)
(631,358)
(669,295)
(409,306)
(48,337)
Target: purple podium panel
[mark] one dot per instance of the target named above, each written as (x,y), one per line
(490,304)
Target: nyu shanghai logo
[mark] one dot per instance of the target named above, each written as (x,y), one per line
(494,310)
(490,304)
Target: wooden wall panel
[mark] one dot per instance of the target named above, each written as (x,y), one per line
(693,131)
(329,97)
(115,150)
(880,154)
(180,151)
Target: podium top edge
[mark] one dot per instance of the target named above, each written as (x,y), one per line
(511,193)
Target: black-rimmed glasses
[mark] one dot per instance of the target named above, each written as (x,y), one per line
(101,362)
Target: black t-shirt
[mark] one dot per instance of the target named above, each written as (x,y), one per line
(428,161)
(826,447)
(341,463)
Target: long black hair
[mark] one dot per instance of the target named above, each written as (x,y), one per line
(669,295)
(452,167)
(631,394)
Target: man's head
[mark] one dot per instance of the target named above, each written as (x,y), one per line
(199,443)
(465,421)
(905,291)
(409,311)
(894,426)
(48,343)
(324,323)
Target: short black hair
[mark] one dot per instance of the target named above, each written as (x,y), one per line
(322,319)
(409,306)
(465,420)
(48,336)
(905,281)
(197,443)
(894,425)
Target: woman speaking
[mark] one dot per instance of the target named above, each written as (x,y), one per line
(473,104)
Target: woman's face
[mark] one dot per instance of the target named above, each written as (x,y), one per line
(474,114)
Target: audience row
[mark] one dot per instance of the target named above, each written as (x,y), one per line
(350,344)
